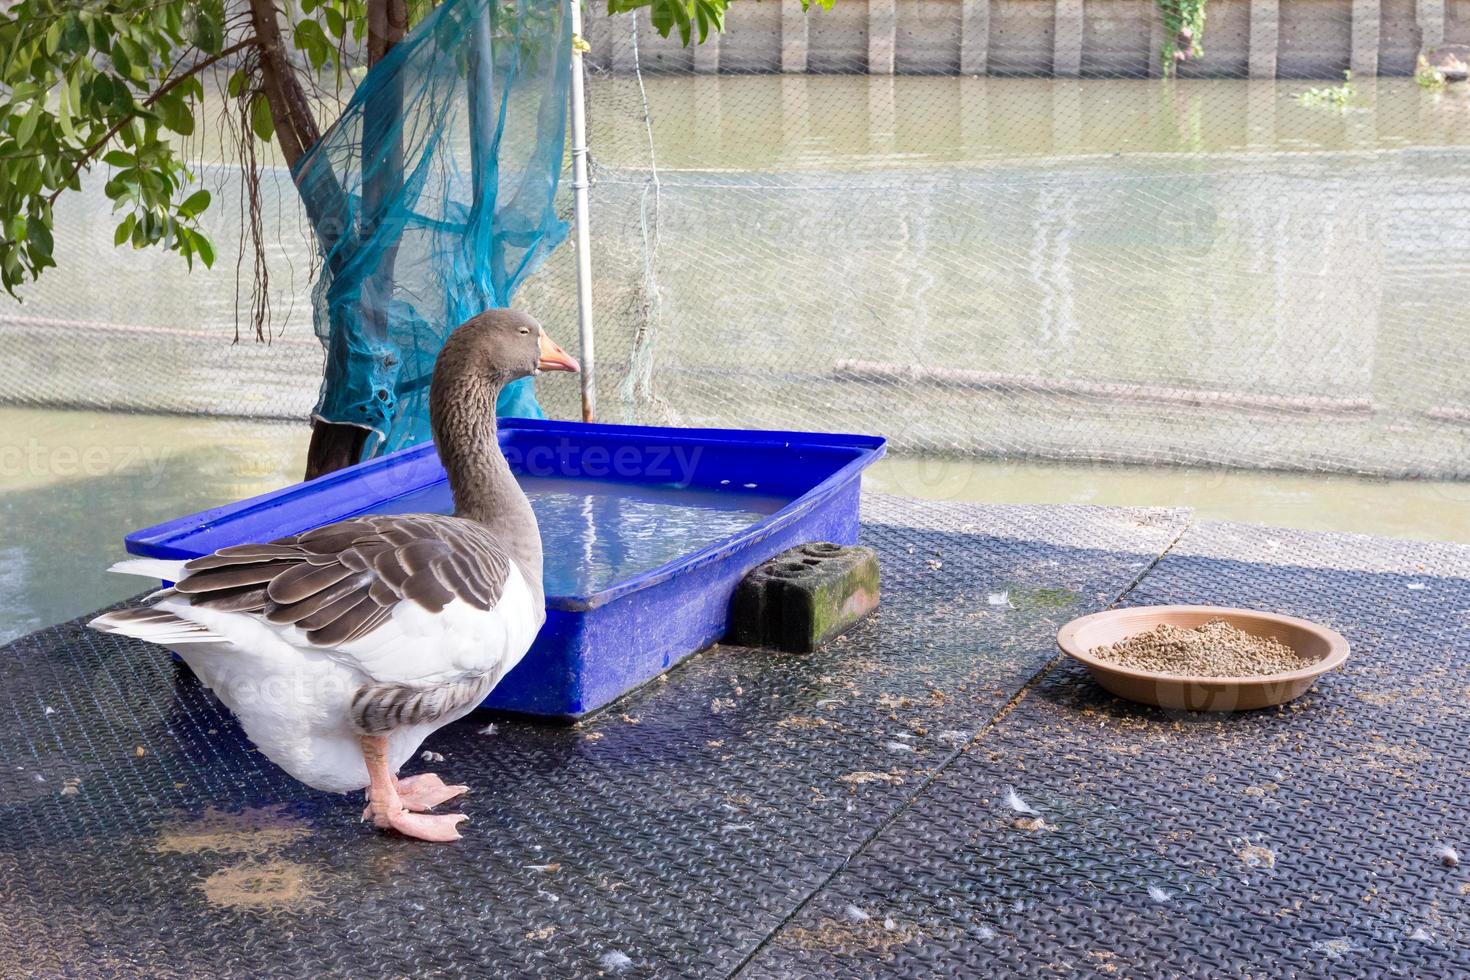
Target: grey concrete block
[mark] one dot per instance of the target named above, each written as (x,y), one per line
(804,597)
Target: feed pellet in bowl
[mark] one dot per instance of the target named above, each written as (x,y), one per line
(1214,649)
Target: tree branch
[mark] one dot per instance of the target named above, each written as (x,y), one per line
(91,151)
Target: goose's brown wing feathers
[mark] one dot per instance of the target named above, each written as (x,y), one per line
(340,582)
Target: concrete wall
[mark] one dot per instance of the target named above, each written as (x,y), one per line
(752,38)
(1316,38)
(1115,38)
(1227,41)
(837,39)
(927,37)
(1021,35)
(1398,45)
(1065,38)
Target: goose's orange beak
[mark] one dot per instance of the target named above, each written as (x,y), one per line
(553,358)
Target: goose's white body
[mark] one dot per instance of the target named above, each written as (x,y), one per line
(293,697)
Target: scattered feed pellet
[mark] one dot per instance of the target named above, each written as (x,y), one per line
(1215,649)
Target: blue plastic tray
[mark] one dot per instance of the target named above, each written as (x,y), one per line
(593,647)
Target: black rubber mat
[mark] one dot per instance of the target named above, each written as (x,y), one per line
(1298,841)
(672,835)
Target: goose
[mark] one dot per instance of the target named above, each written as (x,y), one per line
(341,649)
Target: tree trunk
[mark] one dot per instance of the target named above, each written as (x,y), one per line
(387,23)
(296,129)
(333,445)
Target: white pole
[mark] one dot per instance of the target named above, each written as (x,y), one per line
(579,218)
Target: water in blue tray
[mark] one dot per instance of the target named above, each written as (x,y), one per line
(596,533)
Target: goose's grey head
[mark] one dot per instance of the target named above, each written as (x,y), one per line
(503,345)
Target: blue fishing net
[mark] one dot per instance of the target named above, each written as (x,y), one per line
(432,199)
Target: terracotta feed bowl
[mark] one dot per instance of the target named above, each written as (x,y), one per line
(1324,648)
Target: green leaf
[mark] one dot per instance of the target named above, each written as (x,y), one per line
(261,122)
(123,187)
(101,34)
(205,249)
(310,39)
(176,113)
(681,17)
(665,15)
(138,57)
(74,35)
(38,236)
(124,230)
(119,158)
(711,14)
(74,89)
(28,181)
(194,204)
(63,113)
(237,83)
(27,127)
(662,15)
(207,34)
(101,90)
(155,187)
(122,98)
(120,59)
(183,243)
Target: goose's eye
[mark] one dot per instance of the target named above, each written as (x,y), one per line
(524,331)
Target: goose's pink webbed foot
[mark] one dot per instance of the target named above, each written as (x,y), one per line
(425,791)
(387,807)
(421,793)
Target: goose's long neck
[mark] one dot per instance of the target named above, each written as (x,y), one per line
(462,414)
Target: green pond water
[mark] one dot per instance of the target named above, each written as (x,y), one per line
(73,483)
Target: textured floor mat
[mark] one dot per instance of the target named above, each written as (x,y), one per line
(1084,836)
(140,833)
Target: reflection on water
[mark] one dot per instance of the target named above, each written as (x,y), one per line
(846,122)
(72,484)
(595,533)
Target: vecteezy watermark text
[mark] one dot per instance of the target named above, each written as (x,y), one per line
(565,458)
(36,459)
